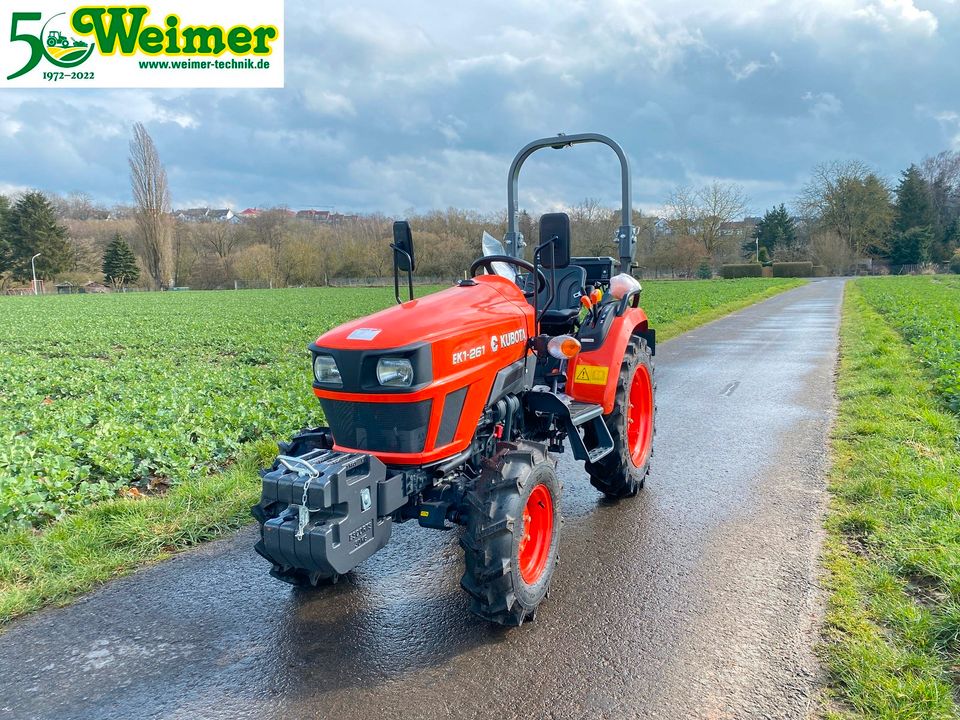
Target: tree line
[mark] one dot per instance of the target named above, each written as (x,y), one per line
(846,213)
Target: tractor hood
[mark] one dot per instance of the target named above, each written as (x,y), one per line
(456,343)
(489,304)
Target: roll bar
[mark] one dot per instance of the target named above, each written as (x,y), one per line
(626,236)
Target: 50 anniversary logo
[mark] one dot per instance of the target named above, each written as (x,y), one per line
(134,46)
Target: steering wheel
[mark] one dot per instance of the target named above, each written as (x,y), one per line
(487,264)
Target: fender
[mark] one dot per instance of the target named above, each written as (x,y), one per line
(592,376)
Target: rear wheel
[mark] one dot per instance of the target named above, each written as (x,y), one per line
(510,544)
(632,423)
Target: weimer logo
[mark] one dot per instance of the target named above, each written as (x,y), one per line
(52,42)
(137,46)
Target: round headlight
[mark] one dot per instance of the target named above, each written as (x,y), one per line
(395,372)
(325,370)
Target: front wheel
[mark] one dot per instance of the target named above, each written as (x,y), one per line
(632,424)
(512,536)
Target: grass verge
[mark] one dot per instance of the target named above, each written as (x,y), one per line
(893,619)
(109,539)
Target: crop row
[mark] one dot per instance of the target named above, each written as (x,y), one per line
(926,312)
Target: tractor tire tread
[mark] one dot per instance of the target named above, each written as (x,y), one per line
(614,474)
(489,575)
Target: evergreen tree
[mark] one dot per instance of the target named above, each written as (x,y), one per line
(119,264)
(911,247)
(776,230)
(951,241)
(913,208)
(31,227)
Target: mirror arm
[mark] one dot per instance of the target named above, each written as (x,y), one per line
(396,272)
(553,282)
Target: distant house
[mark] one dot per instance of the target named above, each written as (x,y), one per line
(320,216)
(324,217)
(225,215)
(741,229)
(95,288)
(66,288)
(662,227)
(190,214)
(204,215)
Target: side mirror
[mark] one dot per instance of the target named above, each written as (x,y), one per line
(403,256)
(555,226)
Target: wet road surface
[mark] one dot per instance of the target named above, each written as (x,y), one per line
(697,599)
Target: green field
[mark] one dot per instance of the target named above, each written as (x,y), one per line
(893,626)
(180,396)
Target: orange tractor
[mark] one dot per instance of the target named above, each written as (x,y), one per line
(449,410)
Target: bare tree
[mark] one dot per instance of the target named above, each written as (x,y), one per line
(593,227)
(77,205)
(850,199)
(718,203)
(185,252)
(151,194)
(942,173)
(831,251)
(221,237)
(681,211)
(701,213)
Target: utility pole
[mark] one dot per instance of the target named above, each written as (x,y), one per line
(33,267)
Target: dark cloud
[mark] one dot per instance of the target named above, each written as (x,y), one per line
(400,106)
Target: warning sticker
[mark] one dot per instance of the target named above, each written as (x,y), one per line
(591,375)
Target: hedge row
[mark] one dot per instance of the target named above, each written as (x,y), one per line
(792,269)
(741,270)
(780,269)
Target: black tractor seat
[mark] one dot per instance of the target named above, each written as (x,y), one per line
(565,281)
(560,317)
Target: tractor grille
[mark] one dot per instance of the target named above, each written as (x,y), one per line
(379,427)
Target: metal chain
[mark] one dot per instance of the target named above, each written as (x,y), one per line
(303,516)
(305,469)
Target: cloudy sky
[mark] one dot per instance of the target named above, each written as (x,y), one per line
(399,105)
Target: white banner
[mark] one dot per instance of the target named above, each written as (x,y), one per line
(168,44)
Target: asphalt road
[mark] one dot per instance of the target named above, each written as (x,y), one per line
(697,599)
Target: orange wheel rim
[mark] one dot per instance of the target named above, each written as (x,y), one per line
(640,417)
(534,551)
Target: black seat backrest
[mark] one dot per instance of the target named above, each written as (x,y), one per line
(556,227)
(555,260)
(570,282)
